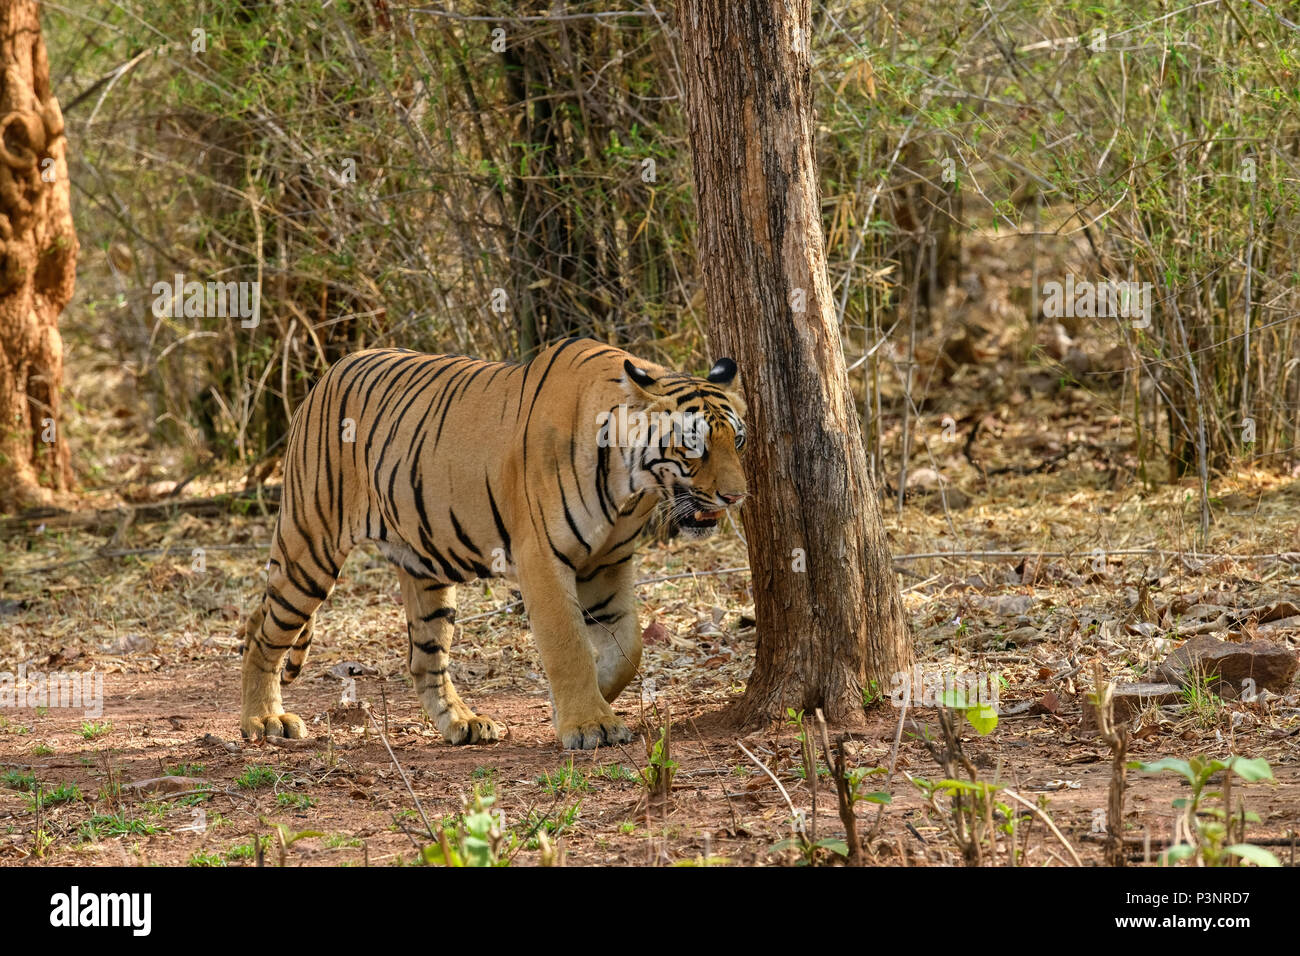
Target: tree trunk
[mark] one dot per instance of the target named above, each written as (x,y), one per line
(38,258)
(830,616)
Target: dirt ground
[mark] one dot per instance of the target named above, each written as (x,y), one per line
(161,631)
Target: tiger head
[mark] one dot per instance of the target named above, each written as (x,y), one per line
(692,435)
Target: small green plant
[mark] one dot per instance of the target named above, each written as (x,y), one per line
(564,780)
(285,838)
(8,727)
(340,841)
(810,852)
(205,859)
(1203,705)
(1213,836)
(400,817)
(255,777)
(184,770)
(871,694)
(63,793)
(194,799)
(17,780)
(478,838)
(857,777)
(90,729)
(486,777)
(244,851)
(296,801)
(962,629)
(802,772)
(660,767)
(627,827)
(794,718)
(536,824)
(247,851)
(973,803)
(980,715)
(617,772)
(971,815)
(119,824)
(42,750)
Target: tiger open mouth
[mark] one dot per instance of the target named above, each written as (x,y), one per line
(701,519)
(692,515)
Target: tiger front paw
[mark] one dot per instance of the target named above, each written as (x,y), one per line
(273,725)
(602,731)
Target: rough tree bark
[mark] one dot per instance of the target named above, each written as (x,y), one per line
(38,258)
(830,616)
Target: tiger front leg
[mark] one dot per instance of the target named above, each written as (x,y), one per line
(583,719)
(609,612)
(431,623)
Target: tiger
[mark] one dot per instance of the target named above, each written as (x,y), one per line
(459,468)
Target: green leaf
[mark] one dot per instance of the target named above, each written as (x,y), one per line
(1254,854)
(1168,763)
(834,845)
(1180,852)
(983,718)
(1252,770)
(925,786)
(877,796)
(980,787)
(956,699)
(433,856)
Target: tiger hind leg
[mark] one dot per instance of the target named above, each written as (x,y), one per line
(297,656)
(280,627)
(431,621)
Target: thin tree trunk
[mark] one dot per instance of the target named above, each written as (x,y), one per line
(830,616)
(38,258)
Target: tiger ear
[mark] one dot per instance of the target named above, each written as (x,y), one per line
(723,372)
(637,376)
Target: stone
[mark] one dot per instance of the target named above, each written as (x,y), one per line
(1129,700)
(1271,666)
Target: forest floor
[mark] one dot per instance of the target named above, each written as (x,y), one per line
(160,628)
(1030,463)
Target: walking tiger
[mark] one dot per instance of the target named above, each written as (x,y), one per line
(458,469)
